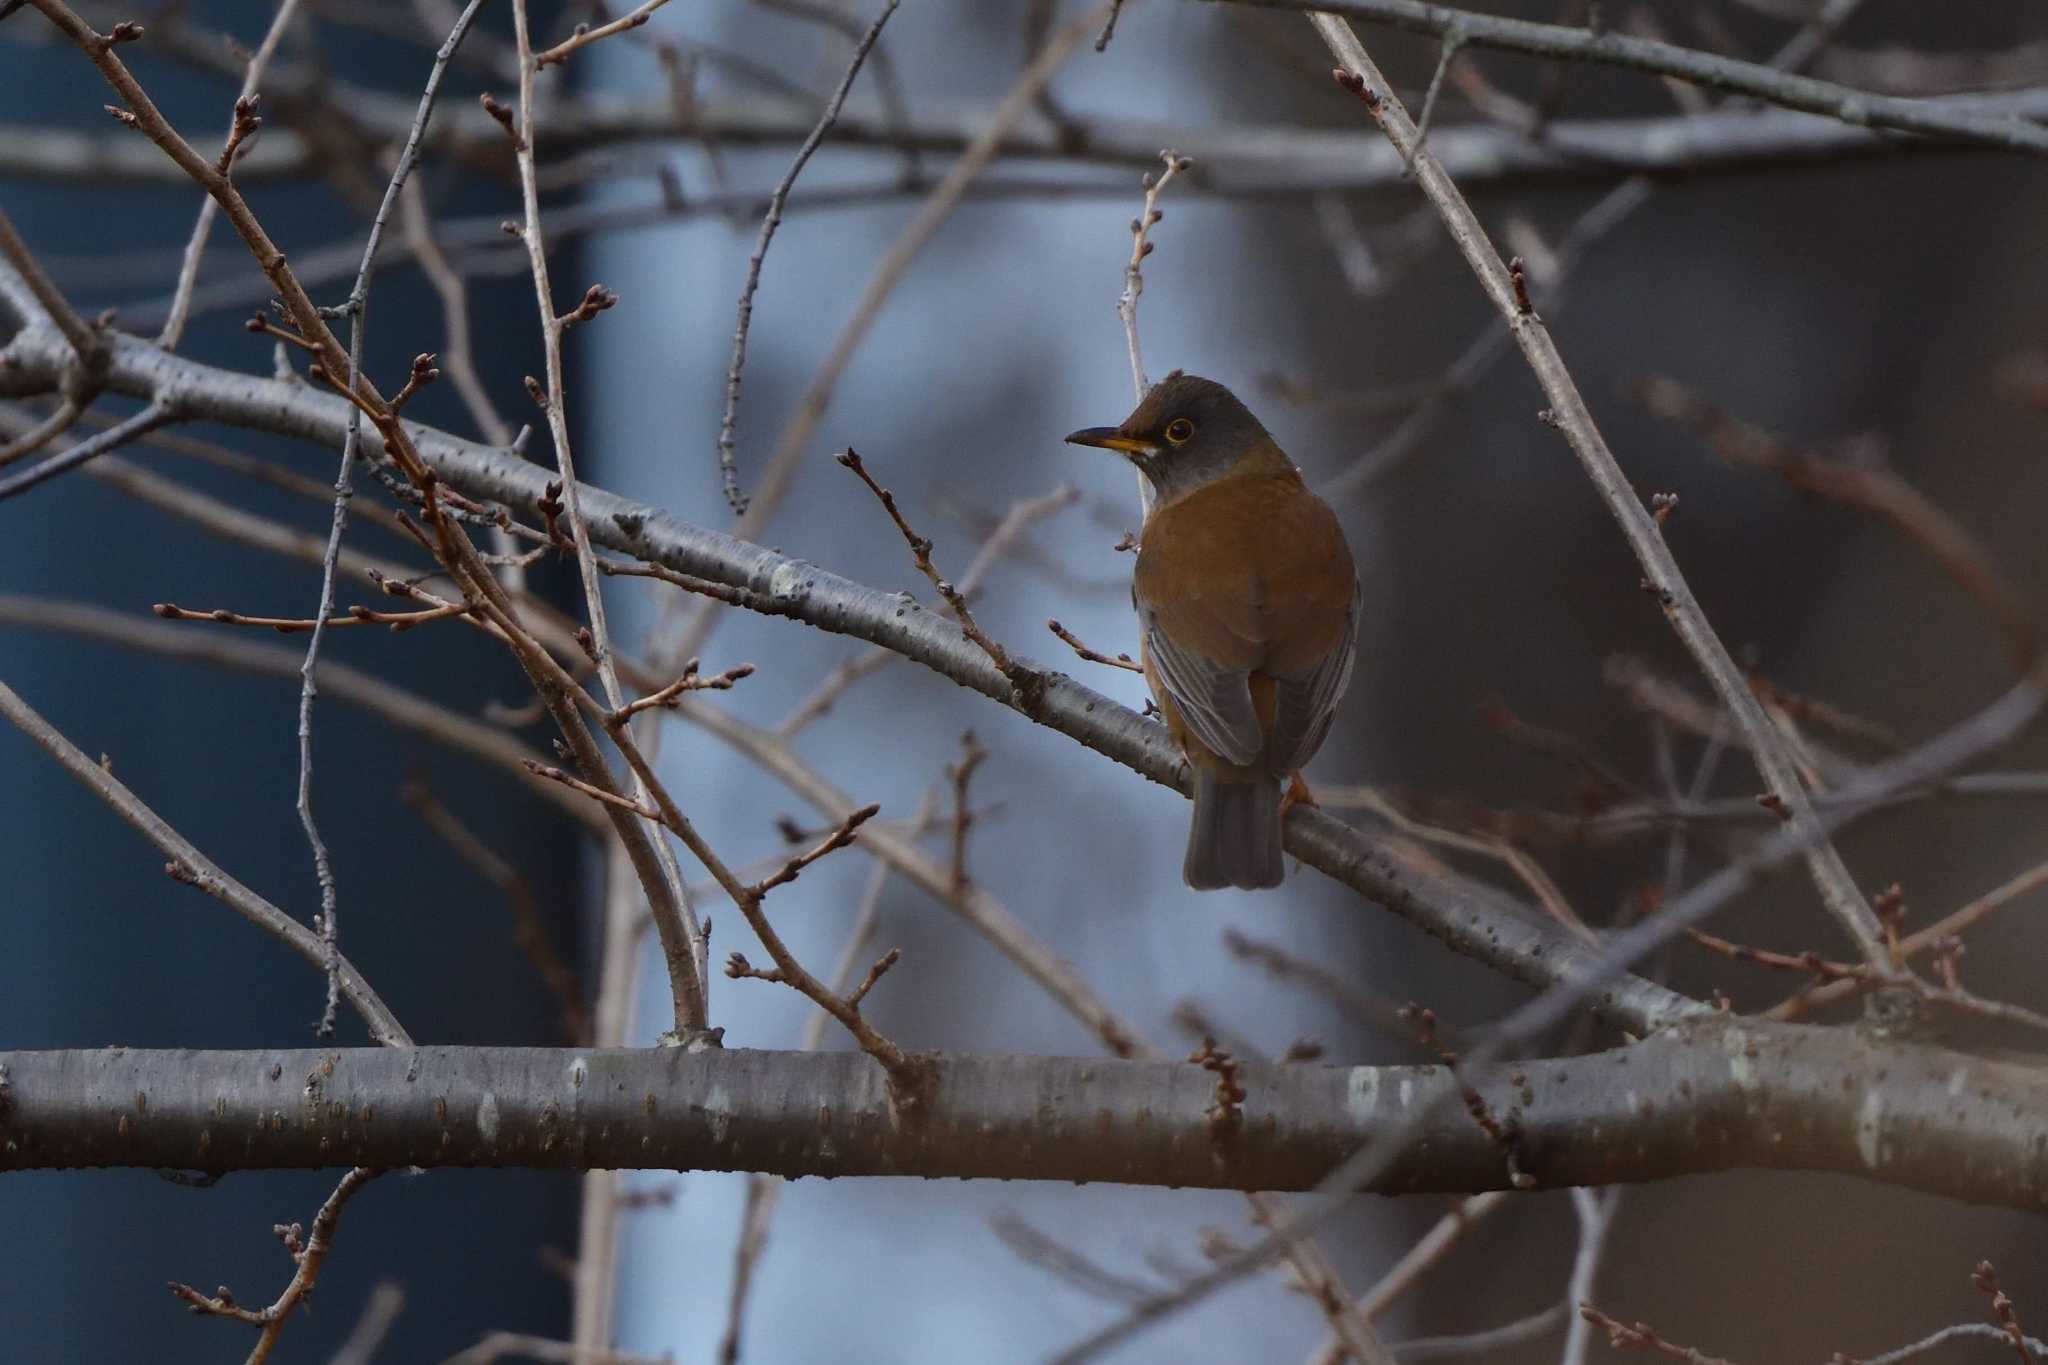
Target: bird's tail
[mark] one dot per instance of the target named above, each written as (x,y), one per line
(1234,839)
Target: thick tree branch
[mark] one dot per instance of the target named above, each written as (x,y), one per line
(1709,1095)
(1469,918)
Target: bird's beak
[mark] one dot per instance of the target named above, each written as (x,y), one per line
(1110,438)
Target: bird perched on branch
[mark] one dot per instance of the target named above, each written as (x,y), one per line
(1247,602)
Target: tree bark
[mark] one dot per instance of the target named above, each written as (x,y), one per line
(1709,1095)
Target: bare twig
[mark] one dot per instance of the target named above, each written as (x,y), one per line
(1006,534)
(240,126)
(1571,416)
(691,681)
(1595,1210)
(921,552)
(586,35)
(160,412)
(683,942)
(291,625)
(41,434)
(1141,247)
(728,468)
(1641,1334)
(357,308)
(1859,108)
(387,1299)
(309,1256)
(194,868)
(1093,656)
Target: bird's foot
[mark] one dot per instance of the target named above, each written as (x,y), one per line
(1297,794)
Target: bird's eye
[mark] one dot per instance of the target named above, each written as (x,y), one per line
(1180,430)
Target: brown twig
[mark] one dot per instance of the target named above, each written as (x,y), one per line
(1571,416)
(1141,247)
(840,837)
(308,1255)
(691,681)
(290,625)
(921,552)
(1093,656)
(1912,945)
(1866,486)
(585,35)
(1986,1279)
(1620,1334)
(972,755)
(1021,515)
(1502,1132)
(591,790)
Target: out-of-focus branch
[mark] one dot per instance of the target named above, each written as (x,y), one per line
(1868,487)
(1570,415)
(1234,159)
(1608,47)
(189,865)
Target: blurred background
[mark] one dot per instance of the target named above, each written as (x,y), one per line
(1882,313)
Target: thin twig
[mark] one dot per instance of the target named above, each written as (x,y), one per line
(309,1256)
(1641,1334)
(239,129)
(921,552)
(1595,1210)
(1141,247)
(1571,416)
(160,412)
(1859,108)
(357,308)
(687,960)
(41,434)
(187,864)
(586,35)
(728,468)
(1022,514)
(1093,656)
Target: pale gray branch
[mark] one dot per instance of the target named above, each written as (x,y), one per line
(1709,1095)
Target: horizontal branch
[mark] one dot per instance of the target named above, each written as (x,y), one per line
(1472,919)
(1228,159)
(1607,47)
(1711,1095)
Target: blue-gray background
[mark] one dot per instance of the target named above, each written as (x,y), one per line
(1880,296)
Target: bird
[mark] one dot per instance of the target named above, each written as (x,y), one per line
(1247,600)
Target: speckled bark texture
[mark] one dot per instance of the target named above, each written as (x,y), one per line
(1469,917)
(1705,1096)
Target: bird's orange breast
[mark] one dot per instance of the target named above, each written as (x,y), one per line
(1251,571)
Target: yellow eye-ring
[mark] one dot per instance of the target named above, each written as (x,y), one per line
(1180,430)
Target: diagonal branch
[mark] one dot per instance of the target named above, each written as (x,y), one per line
(1571,416)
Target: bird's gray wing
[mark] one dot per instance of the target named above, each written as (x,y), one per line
(1214,702)
(1305,703)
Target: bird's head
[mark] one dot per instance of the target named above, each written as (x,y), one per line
(1187,432)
